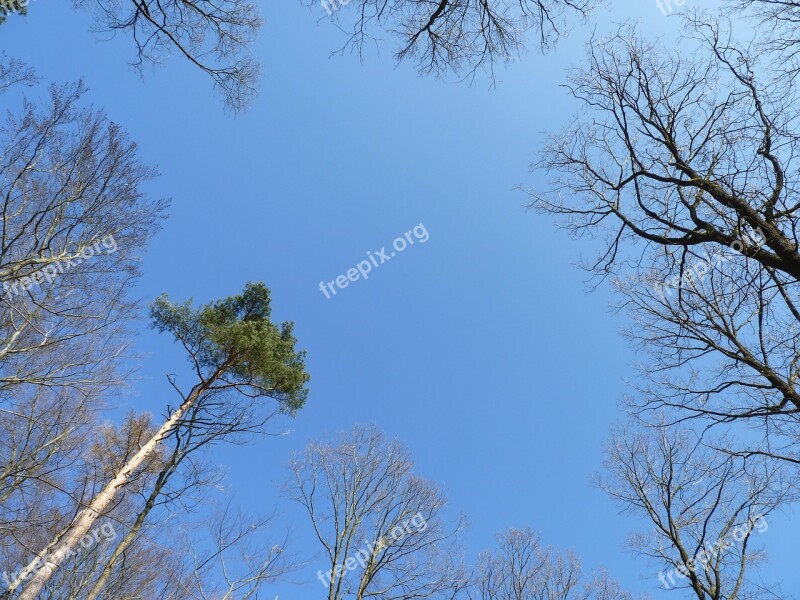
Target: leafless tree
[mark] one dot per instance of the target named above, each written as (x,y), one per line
(383,529)
(440,36)
(40,445)
(778,22)
(14,72)
(603,587)
(239,560)
(219,553)
(454,35)
(684,166)
(127,553)
(213,36)
(72,224)
(521,568)
(178,479)
(73,221)
(66,482)
(707,508)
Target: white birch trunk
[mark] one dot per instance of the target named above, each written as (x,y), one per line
(52,558)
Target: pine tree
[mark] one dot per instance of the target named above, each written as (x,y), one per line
(8,7)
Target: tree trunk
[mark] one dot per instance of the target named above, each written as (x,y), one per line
(54,559)
(126,541)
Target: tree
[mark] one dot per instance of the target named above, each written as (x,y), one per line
(239,559)
(66,484)
(213,36)
(382,528)
(8,7)
(780,35)
(14,72)
(74,220)
(706,507)
(447,35)
(455,35)
(685,167)
(522,569)
(239,358)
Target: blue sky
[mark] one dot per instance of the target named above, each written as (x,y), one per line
(481,349)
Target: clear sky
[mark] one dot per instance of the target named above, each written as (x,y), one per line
(482,349)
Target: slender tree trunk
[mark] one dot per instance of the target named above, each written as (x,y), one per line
(43,567)
(127,540)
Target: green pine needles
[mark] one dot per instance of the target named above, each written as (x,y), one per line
(234,344)
(8,7)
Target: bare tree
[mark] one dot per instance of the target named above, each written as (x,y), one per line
(220,553)
(454,35)
(685,168)
(73,221)
(382,528)
(160,492)
(603,587)
(521,568)
(14,72)
(213,36)
(779,25)
(67,482)
(239,559)
(707,508)
(40,446)
(440,36)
